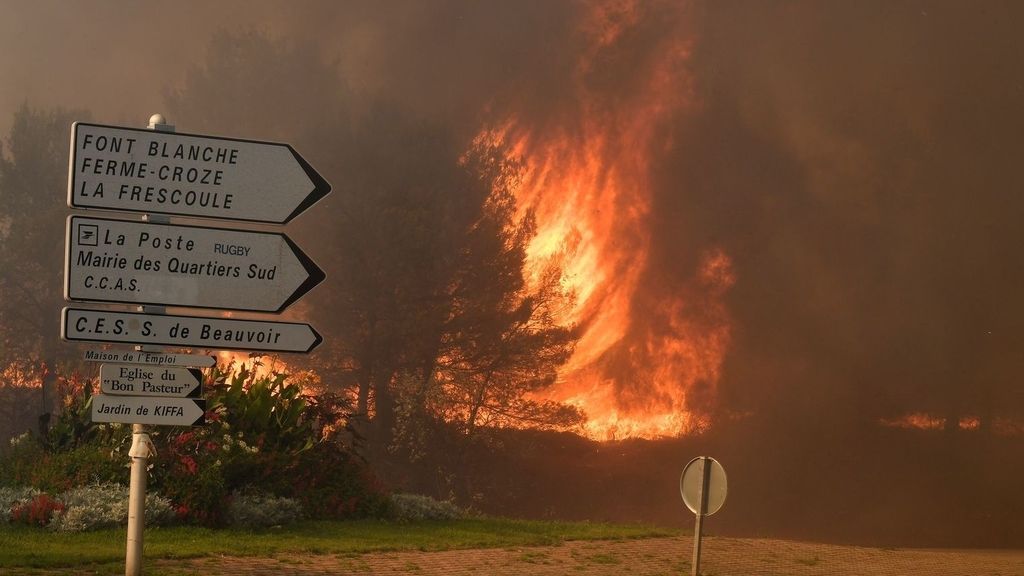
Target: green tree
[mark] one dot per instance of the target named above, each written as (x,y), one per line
(33,181)
(253,85)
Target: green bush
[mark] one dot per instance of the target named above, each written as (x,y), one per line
(333,483)
(271,411)
(189,469)
(19,461)
(263,435)
(414,507)
(261,510)
(31,463)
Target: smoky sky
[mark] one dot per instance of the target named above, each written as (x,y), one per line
(856,160)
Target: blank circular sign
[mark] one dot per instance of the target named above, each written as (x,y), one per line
(692,478)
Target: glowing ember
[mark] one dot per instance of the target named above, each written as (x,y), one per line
(923,421)
(969,423)
(641,368)
(916,420)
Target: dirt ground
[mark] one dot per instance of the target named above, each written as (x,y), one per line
(648,557)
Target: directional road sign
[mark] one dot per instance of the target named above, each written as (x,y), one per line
(141,380)
(145,357)
(162,264)
(143,410)
(82,325)
(137,170)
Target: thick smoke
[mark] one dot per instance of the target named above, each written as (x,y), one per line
(857,162)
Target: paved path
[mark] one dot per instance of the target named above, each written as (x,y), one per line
(647,557)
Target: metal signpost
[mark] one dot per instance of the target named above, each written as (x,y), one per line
(82,325)
(703,487)
(144,263)
(163,172)
(140,410)
(147,357)
(142,380)
(153,264)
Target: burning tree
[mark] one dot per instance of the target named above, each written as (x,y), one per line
(426,312)
(433,312)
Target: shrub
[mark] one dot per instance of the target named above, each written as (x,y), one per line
(191,474)
(271,410)
(36,512)
(14,497)
(19,461)
(263,435)
(260,510)
(412,507)
(105,505)
(30,463)
(332,483)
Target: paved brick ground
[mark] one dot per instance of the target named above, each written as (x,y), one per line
(649,557)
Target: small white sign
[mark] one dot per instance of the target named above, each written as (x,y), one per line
(136,170)
(81,325)
(155,358)
(142,380)
(171,265)
(143,410)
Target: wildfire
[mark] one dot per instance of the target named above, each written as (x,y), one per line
(260,364)
(925,421)
(642,368)
(916,420)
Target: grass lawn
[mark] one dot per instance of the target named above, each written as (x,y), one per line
(25,547)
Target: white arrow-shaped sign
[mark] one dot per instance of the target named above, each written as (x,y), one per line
(137,170)
(186,331)
(142,380)
(142,410)
(145,357)
(162,264)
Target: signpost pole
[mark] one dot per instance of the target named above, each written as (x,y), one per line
(140,452)
(699,525)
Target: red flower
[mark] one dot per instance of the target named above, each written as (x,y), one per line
(190,464)
(37,511)
(183,438)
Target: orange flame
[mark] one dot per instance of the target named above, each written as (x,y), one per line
(916,421)
(925,421)
(589,184)
(268,365)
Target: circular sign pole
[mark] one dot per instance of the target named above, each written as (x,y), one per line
(703,487)
(698,527)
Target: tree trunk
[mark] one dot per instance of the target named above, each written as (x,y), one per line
(478,402)
(48,386)
(383,411)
